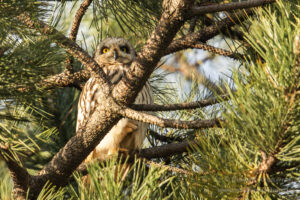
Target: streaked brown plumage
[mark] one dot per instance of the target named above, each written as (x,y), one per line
(115,55)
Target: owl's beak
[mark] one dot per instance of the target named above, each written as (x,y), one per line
(115,55)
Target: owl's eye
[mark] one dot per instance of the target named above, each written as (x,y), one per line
(105,50)
(125,49)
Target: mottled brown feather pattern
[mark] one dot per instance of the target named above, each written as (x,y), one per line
(127,135)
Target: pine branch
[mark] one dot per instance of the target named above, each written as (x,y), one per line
(78,17)
(63,79)
(228,6)
(18,173)
(74,29)
(180,106)
(145,155)
(168,168)
(169,123)
(219,51)
(191,39)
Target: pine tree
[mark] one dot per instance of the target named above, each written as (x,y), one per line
(234,138)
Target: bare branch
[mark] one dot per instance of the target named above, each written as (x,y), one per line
(228,6)
(215,50)
(169,123)
(164,138)
(2,50)
(78,17)
(74,29)
(180,106)
(207,33)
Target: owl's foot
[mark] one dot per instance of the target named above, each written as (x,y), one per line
(129,128)
(123,150)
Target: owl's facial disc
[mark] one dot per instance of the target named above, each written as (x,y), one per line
(115,51)
(116,54)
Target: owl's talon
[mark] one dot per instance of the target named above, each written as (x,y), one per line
(130,127)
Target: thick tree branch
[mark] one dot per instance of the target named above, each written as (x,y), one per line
(180,106)
(18,173)
(169,123)
(228,6)
(153,50)
(166,150)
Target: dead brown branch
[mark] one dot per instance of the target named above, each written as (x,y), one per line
(229,6)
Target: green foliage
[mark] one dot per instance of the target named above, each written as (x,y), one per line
(141,182)
(261,118)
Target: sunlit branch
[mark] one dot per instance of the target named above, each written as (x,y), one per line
(180,106)
(169,123)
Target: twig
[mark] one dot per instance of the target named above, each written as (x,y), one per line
(169,123)
(180,106)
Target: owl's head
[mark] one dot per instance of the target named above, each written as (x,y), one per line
(114,51)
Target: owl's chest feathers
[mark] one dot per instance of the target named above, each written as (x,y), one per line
(91,94)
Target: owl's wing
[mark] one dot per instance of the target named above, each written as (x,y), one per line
(89,96)
(87,102)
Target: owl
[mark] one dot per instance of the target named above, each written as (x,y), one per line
(115,55)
